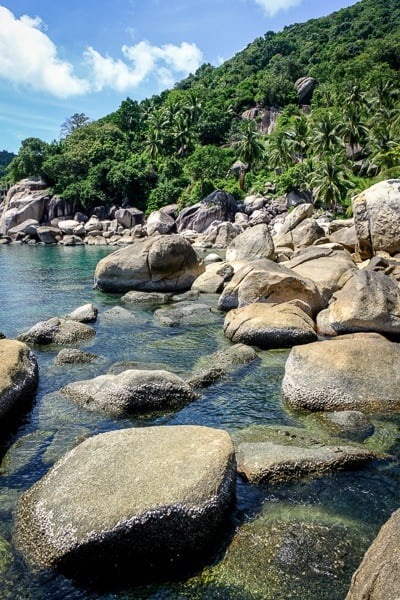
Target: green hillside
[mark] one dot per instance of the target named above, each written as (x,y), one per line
(178,146)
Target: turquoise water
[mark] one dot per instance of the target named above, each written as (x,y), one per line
(338,516)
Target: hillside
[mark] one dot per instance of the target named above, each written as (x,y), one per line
(179,146)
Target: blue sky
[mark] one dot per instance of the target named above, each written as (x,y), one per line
(61,57)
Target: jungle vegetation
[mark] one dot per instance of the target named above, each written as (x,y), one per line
(178,146)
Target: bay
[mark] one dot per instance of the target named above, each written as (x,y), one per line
(341,513)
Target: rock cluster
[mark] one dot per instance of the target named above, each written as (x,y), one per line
(327,290)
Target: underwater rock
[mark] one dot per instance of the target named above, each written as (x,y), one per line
(132,503)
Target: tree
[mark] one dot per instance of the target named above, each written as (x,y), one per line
(249,144)
(72,123)
(29,160)
(330,181)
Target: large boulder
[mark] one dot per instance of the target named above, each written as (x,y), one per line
(359,371)
(378,576)
(270,325)
(305,87)
(130,392)
(213,280)
(26,200)
(368,301)
(18,377)
(377,218)
(129,217)
(255,242)
(324,265)
(57,331)
(218,206)
(160,222)
(135,503)
(165,263)
(266,281)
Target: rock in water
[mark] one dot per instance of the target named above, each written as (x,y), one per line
(135,503)
(57,331)
(359,371)
(18,376)
(378,576)
(165,263)
(130,392)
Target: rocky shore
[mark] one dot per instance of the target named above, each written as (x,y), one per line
(328,290)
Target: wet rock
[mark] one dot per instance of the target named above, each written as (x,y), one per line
(186,313)
(87,313)
(261,462)
(214,367)
(18,378)
(378,576)
(270,325)
(73,356)
(131,504)
(344,373)
(351,424)
(146,297)
(131,392)
(57,331)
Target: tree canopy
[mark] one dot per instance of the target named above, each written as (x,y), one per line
(177,146)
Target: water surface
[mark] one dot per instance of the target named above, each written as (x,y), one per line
(338,516)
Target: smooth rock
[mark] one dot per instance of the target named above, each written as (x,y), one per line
(359,371)
(57,331)
(270,325)
(130,392)
(378,576)
(266,281)
(18,378)
(87,313)
(131,504)
(157,264)
(254,243)
(186,313)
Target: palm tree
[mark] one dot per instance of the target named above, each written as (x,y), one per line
(352,128)
(330,181)
(325,135)
(299,138)
(250,143)
(279,151)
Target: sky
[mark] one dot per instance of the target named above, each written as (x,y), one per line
(59,57)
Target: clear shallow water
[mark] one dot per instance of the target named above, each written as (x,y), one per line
(343,512)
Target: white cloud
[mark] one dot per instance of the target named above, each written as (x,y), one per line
(272,7)
(167,63)
(29,57)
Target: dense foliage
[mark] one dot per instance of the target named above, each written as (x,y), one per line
(179,145)
(5,159)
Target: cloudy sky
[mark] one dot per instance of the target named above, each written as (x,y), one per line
(61,57)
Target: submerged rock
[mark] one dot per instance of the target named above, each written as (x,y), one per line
(71,356)
(214,367)
(262,462)
(57,331)
(130,392)
(344,373)
(186,313)
(131,504)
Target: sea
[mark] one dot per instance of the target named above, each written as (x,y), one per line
(301,539)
